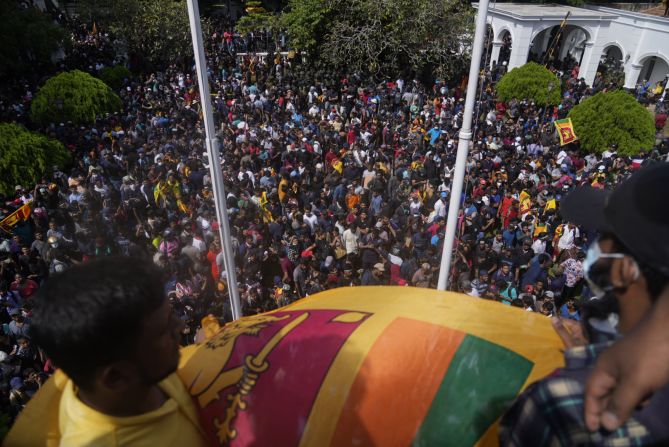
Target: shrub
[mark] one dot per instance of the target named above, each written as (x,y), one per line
(73,96)
(613,118)
(114,76)
(531,81)
(25,157)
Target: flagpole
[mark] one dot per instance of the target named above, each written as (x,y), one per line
(555,40)
(463,146)
(214,157)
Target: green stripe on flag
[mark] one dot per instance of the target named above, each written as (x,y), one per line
(482,380)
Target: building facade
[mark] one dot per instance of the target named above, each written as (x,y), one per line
(638,42)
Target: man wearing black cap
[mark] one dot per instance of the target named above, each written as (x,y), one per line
(627,269)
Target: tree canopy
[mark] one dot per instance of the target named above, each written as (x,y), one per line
(613,118)
(530,81)
(564,2)
(306,21)
(114,76)
(381,37)
(29,38)
(73,96)
(156,30)
(25,157)
(256,17)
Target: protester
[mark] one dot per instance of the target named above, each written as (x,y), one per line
(110,328)
(629,371)
(627,270)
(332,180)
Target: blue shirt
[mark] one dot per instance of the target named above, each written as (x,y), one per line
(508,237)
(375,204)
(434,134)
(533,274)
(564,313)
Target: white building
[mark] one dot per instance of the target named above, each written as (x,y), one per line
(640,41)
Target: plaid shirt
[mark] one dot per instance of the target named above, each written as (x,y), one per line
(550,411)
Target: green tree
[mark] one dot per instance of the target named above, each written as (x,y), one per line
(564,2)
(29,38)
(531,81)
(381,37)
(256,17)
(613,118)
(73,96)
(306,22)
(25,157)
(114,76)
(156,30)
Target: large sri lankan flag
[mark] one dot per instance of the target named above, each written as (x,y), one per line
(382,366)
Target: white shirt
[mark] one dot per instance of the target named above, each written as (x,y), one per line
(567,239)
(561,156)
(367,176)
(415,206)
(311,221)
(440,208)
(249,174)
(350,241)
(200,245)
(539,247)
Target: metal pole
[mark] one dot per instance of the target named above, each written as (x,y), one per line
(463,145)
(214,158)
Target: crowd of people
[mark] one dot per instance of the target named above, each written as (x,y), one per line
(331,182)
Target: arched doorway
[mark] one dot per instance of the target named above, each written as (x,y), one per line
(505,49)
(653,69)
(613,53)
(610,71)
(561,49)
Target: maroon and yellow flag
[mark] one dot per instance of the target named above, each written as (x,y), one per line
(368,366)
(565,129)
(337,165)
(364,366)
(21,214)
(525,202)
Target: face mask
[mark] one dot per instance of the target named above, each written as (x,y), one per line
(599,286)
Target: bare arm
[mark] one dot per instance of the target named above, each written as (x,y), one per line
(631,370)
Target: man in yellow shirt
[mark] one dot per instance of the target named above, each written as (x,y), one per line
(110,329)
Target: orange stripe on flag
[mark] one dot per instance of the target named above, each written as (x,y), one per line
(389,410)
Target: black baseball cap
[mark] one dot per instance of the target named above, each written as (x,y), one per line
(636,212)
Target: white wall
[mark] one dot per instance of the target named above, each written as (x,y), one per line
(640,36)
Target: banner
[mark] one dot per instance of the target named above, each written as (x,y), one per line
(368,366)
(565,130)
(21,214)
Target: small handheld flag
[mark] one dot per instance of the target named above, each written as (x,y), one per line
(21,214)
(565,129)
